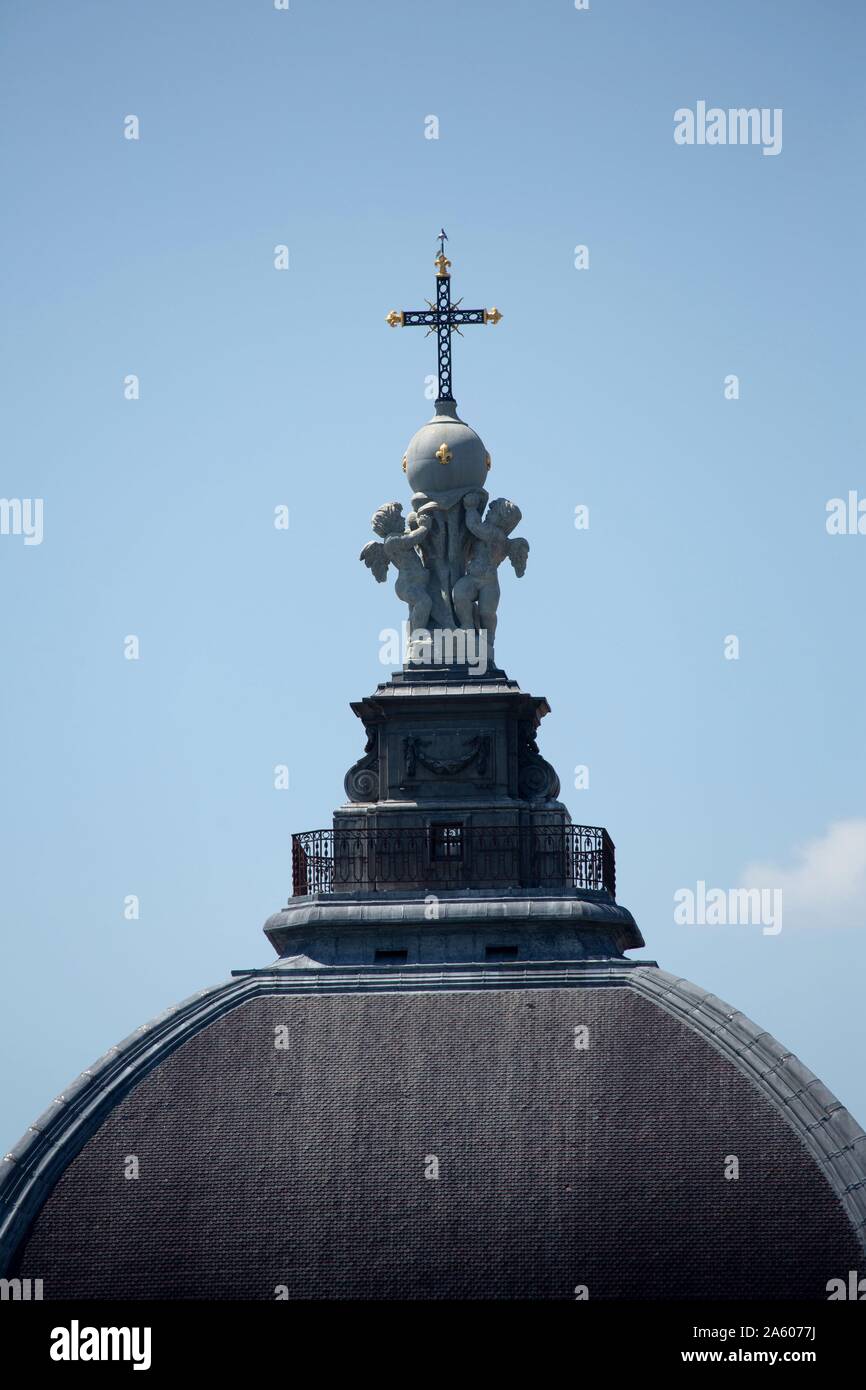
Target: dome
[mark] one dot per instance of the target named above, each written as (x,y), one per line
(452,1082)
(445,453)
(287,1126)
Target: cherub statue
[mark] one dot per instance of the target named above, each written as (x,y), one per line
(397,548)
(436,552)
(480,584)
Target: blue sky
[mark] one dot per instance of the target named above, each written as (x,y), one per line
(258,387)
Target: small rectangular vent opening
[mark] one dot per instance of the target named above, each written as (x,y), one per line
(391,957)
(500,952)
(446,842)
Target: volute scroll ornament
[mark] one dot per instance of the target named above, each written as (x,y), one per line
(361,782)
(536,777)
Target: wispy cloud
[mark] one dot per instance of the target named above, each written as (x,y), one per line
(825,885)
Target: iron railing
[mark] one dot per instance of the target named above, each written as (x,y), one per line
(453,856)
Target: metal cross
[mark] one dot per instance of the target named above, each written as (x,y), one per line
(442,318)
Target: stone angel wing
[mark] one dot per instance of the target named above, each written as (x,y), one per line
(375,559)
(518,554)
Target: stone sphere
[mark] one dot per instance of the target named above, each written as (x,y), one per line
(445,453)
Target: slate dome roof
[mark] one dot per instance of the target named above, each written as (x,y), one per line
(306,1166)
